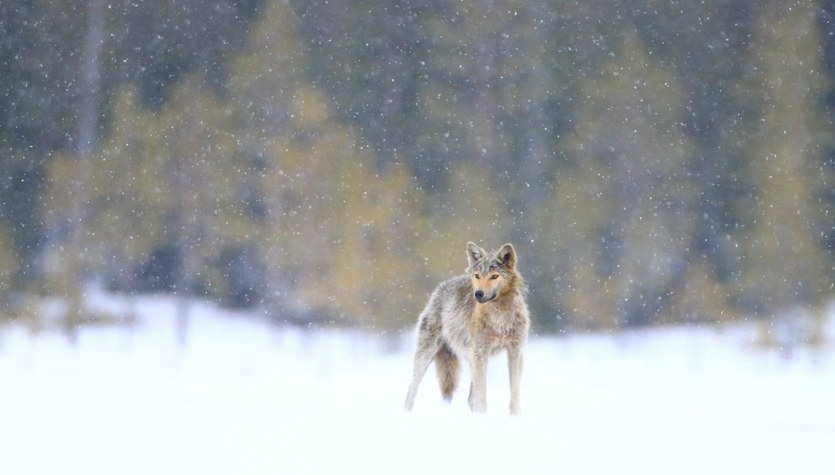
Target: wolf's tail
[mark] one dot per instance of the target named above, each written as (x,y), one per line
(447,366)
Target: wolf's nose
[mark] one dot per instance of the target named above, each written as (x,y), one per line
(479,294)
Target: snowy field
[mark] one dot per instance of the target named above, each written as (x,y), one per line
(245,397)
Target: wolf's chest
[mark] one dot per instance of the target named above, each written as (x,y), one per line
(499,327)
(499,323)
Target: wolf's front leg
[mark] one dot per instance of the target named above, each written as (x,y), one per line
(514,367)
(478,387)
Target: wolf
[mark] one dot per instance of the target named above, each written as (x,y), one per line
(473,317)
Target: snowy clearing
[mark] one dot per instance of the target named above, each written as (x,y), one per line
(243,396)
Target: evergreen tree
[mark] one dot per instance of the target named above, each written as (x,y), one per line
(629,146)
(340,235)
(783,263)
(9,267)
(265,78)
(472,208)
(371,55)
(98,224)
(310,179)
(379,270)
(209,215)
(276,118)
(337,229)
(706,43)
(575,251)
(127,204)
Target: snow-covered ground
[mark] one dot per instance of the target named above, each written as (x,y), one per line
(245,397)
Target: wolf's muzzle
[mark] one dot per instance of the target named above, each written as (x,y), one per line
(482,298)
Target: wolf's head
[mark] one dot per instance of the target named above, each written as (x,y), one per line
(492,273)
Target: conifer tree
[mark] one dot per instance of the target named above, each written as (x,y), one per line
(266,78)
(472,208)
(378,270)
(203,174)
(336,228)
(121,205)
(8,268)
(783,264)
(629,146)
(128,206)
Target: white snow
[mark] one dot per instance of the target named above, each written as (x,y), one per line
(245,397)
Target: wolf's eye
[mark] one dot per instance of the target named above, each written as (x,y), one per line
(494,276)
(476,276)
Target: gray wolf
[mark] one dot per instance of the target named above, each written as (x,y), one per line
(473,317)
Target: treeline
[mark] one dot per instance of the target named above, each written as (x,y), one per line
(653,161)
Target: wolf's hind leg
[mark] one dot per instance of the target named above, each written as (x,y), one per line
(425,353)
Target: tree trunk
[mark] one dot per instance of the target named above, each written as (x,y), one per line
(91,66)
(90,83)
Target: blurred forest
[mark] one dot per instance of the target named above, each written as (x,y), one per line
(654,161)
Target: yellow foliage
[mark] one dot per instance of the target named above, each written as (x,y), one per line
(310,106)
(472,209)
(8,262)
(701,298)
(782,262)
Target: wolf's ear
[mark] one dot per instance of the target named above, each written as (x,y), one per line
(507,256)
(474,253)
